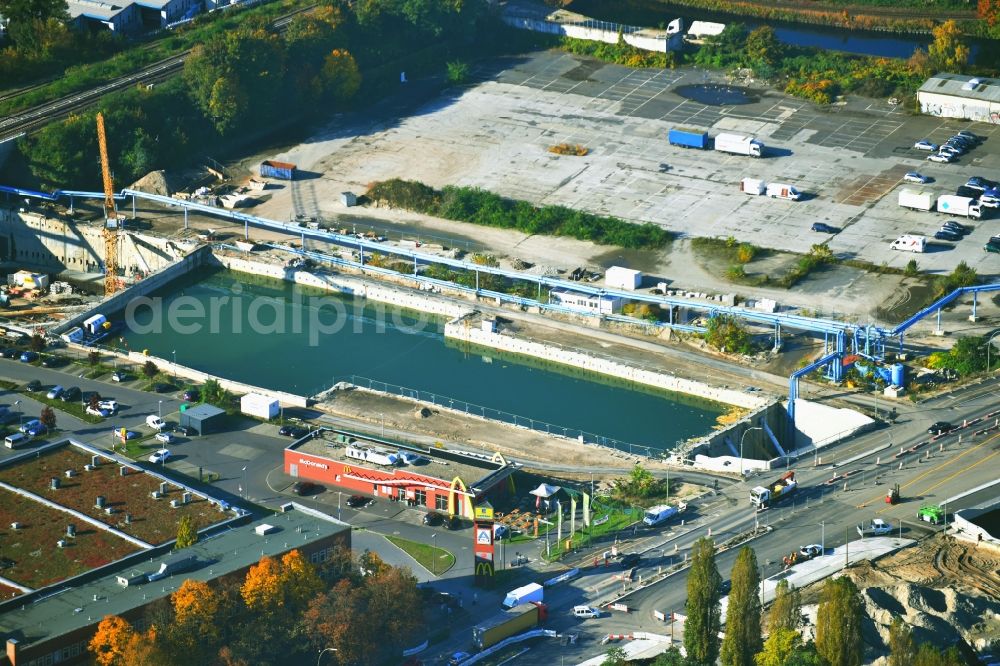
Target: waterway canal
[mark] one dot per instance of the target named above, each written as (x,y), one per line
(267,333)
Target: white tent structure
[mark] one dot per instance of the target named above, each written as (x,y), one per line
(544,491)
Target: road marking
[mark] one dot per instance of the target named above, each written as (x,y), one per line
(932,470)
(943,481)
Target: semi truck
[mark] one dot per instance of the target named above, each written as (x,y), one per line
(916,199)
(524,594)
(508,623)
(738,144)
(955,205)
(688,138)
(762,496)
(661,513)
(782,191)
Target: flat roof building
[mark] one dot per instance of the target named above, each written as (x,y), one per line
(959,96)
(118,17)
(446,481)
(54,626)
(203,418)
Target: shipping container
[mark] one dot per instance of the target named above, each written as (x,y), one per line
(618,277)
(916,199)
(508,623)
(280,170)
(753,186)
(260,406)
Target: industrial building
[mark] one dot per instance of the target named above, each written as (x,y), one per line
(447,481)
(49,627)
(203,419)
(120,18)
(586,302)
(958,96)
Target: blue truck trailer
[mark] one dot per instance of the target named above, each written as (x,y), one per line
(688,139)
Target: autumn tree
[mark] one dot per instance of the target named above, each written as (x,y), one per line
(743,639)
(763,49)
(988,10)
(701,630)
(902,650)
(48,417)
(187,533)
(150,370)
(778,647)
(838,623)
(390,593)
(786,610)
(93,357)
(298,579)
(340,78)
(94,402)
(947,52)
(36,343)
(144,649)
(261,590)
(110,640)
(335,619)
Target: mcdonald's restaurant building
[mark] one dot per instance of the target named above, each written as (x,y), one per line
(450,482)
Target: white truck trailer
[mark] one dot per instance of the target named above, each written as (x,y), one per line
(955,205)
(533,592)
(753,186)
(916,199)
(738,144)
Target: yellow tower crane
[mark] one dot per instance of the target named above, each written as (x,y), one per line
(110,215)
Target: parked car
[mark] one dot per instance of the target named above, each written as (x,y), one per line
(989,200)
(969,135)
(914,177)
(810,551)
(54,392)
(37,430)
(191,395)
(357,501)
(29,357)
(500,531)
(954,151)
(184,430)
(164,437)
(159,456)
(586,612)
(53,361)
(98,411)
(29,424)
(306,488)
(33,386)
(992,246)
(155,422)
(109,404)
(70,394)
(452,523)
(119,376)
(955,225)
(924,144)
(433,518)
(823,228)
(946,235)
(940,428)
(162,387)
(980,182)
(458,657)
(10,352)
(294,432)
(938,157)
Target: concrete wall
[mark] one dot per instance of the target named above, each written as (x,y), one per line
(818,425)
(950,106)
(35,239)
(345,284)
(118,302)
(647,40)
(462,330)
(966,524)
(720,451)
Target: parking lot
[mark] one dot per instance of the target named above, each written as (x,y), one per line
(848,159)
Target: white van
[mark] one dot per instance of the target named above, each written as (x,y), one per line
(783,191)
(586,612)
(15,440)
(155,422)
(909,243)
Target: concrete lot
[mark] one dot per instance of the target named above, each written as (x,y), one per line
(494,134)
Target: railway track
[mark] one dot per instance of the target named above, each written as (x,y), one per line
(33,119)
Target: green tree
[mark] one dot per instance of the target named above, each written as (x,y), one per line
(187,533)
(93,357)
(701,630)
(48,417)
(763,47)
(911,270)
(838,623)
(457,72)
(213,393)
(902,650)
(727,334)
(947,52)
(615,657)
(672,657)
(929,655)
(28,18)
(743,639)
(150,370)
(340,78)
(36,343)
(786,611)
(778,648)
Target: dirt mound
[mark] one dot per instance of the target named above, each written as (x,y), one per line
(155,182)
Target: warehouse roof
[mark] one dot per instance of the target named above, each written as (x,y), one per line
(959,85)
(95,9)
(75,606)
(203,411)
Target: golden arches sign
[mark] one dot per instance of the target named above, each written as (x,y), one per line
(454,508)
(484,568)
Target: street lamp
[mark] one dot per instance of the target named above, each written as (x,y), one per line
(822,539)
(244,488)
(174,352)
(159,410)
(19,414)
(339,495)
(989,343)
(433,556)
(322,652)
(381,417)
(742,437)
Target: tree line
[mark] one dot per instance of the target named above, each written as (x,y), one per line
(246,80)
(839,621)
(282,612)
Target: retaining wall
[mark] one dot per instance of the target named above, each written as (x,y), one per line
(344,284)
(459,330)
(645,40)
